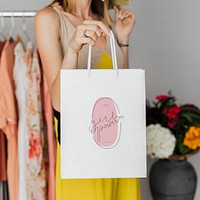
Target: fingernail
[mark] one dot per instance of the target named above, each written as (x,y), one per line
(122,17)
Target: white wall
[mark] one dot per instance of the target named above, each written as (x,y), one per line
(166,43)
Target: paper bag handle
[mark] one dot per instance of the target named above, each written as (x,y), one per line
(113,54)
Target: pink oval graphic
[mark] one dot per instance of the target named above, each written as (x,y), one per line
(106,125)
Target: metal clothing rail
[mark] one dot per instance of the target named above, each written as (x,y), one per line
(17,13)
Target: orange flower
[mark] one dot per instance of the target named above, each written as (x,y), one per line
(35,149)
(192,138)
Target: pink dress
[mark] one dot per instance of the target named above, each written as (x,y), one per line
(51,142)
(3,167)
(8,116)
(37,152)
(22,64)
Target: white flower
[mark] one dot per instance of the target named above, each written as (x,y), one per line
(160,141)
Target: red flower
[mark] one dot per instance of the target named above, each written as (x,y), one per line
(171,124)
(172,112)
(165,111)
(162,97)
(171,115)
(175,109)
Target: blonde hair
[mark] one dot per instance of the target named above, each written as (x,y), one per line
(98,7)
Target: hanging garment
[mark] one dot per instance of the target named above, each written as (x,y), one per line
(3,159)
(2,43)
(21,67)
(8,115)
(91,189)
(1,190)
(48,114)
(5,190)
(36,171)
(3,155)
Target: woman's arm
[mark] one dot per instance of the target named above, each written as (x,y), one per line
(124,23)
(47,32)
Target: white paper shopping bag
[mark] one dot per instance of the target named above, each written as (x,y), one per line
(103,122)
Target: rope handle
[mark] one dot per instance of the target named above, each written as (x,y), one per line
(113,54)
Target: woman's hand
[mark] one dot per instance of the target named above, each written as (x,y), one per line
(124,22)
(87,33)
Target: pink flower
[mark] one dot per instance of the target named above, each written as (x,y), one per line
(162,97)
(171,124)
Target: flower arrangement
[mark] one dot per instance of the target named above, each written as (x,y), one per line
(173,131)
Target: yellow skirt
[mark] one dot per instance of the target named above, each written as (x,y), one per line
(94,189)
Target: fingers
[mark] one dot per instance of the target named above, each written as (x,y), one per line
(126,14)
(122,14)
(98,25)
(87,40)
(87,33)
(91,34)
(91,28)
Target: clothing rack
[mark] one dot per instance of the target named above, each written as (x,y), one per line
(17,13)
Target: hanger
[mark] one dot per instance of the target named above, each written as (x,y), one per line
(2,26)
(24,27)
(12,26)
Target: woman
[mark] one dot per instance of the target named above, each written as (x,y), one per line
(63,31)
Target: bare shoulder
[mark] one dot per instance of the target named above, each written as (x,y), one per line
(47,22)
(46,16)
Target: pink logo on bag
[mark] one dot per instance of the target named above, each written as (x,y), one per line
(106,125)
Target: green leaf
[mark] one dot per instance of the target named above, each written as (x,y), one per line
(183,149)
(187,116)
